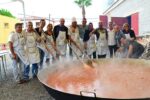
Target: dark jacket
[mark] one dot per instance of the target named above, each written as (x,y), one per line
(58,28)
(37,30)
(98,35)
(131,32)
(86,35)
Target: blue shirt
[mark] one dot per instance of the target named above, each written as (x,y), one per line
(118,37)
(82,30)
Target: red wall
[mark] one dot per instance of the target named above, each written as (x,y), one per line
(135,23)
(104,19)
(119,21)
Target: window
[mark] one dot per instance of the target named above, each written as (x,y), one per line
(6,25)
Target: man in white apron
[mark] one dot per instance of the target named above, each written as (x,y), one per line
(61,37)
(18,53)
(90,41)
(75,39)
(102,41)
(32,51)
(39,30)
(111,40)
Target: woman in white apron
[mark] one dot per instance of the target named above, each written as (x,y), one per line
(90,41)
(18,53)
(102,45)
(75,39)
(50,43)
(128,32)
(32,51)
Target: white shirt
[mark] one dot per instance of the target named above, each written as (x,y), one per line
(111,38)
(12,37)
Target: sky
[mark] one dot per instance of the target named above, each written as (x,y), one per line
(56,8)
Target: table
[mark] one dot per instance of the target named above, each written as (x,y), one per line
(3,64)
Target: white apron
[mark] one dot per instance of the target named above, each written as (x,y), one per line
(76,38)
(41,44)
(102,45)
(127,36)
(91,44)
(49,40)
(31,47)
(61,42)
(19,48)
(111,38)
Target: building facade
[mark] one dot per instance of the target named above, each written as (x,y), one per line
(6,26)
(135,12)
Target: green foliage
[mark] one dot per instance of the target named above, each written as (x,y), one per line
(82,3)
(7,13)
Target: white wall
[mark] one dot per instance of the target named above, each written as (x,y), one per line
(129,7)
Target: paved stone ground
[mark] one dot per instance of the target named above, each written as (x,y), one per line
(33,90)
(9,90)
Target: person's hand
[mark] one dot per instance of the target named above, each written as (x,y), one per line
(120,49)
(14,56)
(90,34)
(131,39)
(73,30)
(42,38)
(59,53)
(93,31)
(38,40)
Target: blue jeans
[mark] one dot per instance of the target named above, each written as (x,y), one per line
(17,70)
(34,69)
(27,70)
(42,54)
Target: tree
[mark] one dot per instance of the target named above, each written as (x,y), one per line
(5,12)
(82,4)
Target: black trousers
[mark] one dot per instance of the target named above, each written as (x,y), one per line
(70,52)
(94,55)
(101,56)
(112,49)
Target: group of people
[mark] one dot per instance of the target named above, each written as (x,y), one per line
(31,45)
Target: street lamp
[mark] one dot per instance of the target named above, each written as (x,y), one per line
(24,15)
